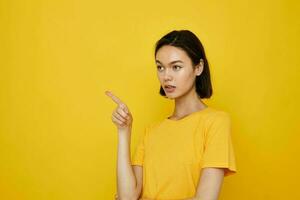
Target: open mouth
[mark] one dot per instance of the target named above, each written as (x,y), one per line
(170,88)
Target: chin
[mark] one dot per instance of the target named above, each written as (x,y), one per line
(174,95)
(171,96)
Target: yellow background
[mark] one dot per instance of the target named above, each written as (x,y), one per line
(57,140)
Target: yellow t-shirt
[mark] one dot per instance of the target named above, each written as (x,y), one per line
(172,153)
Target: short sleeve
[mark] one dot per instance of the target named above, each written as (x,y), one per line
(138,156)
(218,149)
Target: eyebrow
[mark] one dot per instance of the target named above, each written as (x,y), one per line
(175,61)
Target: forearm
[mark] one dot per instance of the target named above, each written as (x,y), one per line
(197,198)
(126,181)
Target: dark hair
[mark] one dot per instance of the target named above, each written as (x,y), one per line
(189,42)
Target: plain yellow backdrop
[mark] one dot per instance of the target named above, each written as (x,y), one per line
(57,140)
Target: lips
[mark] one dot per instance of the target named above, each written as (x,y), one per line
(169,86)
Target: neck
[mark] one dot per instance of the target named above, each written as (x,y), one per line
(187,104)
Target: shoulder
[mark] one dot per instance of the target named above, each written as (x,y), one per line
(218,113)
(217,116)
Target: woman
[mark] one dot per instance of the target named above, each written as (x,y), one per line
(185,155)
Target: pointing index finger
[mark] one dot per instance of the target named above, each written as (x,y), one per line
(114,98)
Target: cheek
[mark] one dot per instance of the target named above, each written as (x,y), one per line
(185,80)
(159,77)
(185,84)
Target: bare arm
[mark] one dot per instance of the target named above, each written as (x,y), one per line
(138,172)
(127,184)
(126,180)
(210,184)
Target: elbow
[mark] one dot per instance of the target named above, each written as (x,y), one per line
(134,196)
(127,198)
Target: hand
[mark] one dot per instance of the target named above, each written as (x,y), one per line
(121,116)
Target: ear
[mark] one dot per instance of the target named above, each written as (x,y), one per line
(199,67)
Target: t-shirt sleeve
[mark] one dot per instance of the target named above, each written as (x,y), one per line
(218,148)
(138,155)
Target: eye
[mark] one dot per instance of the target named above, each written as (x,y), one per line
(177,67)
(159,68)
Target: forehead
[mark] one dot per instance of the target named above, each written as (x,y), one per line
(167,54)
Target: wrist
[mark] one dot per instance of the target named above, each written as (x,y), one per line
(127,129)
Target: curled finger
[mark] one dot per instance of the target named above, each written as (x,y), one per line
(124,107)
(119,117)
(122,112)
(114,119)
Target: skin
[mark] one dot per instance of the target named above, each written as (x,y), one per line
(182,75)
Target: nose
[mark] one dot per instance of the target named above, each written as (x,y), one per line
(167,75)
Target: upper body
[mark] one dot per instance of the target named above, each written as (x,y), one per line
(173,153)
(194,141)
